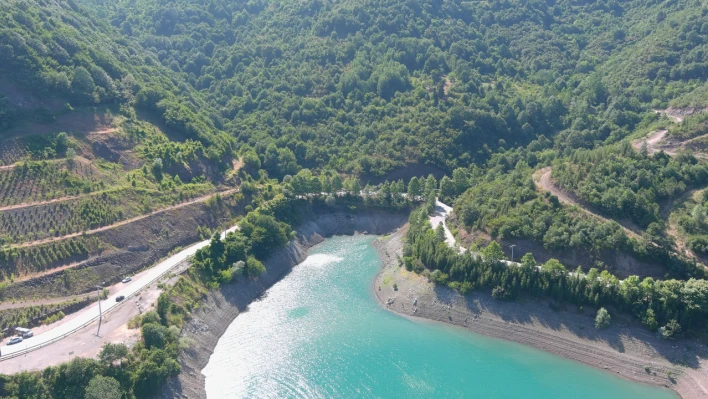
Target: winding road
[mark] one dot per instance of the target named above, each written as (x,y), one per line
(442,211)
(85,317)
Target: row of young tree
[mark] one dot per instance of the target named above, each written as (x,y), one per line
(396,193)
(17,261)
(667,306)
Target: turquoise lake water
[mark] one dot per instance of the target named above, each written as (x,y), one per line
(320,333)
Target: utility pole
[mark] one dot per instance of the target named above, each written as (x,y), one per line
(512,252)
(100,315)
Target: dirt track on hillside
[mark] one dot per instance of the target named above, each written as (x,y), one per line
(60,199)
(38,302)
(542,178)
(124,222)
(652,141)
(658,141)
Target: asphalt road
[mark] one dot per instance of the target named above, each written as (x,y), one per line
(90,314)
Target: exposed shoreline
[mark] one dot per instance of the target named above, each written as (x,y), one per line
(218,310)
(624,349)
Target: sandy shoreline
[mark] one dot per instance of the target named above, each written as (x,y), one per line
(624,349)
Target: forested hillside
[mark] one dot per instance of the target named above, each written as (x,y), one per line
(367,87)
(56,56)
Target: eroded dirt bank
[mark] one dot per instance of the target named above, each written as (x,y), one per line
(625,349)
(220,308)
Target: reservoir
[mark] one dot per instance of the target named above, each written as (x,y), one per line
(320,333)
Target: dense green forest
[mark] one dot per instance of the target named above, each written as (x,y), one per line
(364,87)
(367,87)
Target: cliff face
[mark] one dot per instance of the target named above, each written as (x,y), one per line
(221,307)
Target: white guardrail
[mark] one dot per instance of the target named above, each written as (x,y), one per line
(110,308)
(187,253)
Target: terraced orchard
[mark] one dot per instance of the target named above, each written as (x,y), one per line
(41,181)
(58,218)
(16,262)
(55,219)
(11,152)
(100,205)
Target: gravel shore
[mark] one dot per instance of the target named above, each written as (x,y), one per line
(625,349)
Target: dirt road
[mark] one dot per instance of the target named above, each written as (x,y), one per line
(123,222)
(442,211)
(38,302)
(652,141)
(542,178)
(105,130)
(658,141)
(60,199)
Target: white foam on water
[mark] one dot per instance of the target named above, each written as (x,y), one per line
(319,260)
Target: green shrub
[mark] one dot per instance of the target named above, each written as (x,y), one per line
(603,319)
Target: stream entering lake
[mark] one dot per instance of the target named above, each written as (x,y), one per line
(320,333)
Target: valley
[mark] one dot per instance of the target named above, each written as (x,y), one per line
(537,172)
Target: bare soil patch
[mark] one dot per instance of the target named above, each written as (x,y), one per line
(679,114)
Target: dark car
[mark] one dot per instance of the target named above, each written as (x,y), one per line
(14,340)
(120,298)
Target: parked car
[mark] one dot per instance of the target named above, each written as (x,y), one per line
(120,298)
(14,340)
(127,280)
(28,334)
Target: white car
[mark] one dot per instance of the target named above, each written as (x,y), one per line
(14,340)
(127,280)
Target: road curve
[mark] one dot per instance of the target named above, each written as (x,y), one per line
(90,314)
